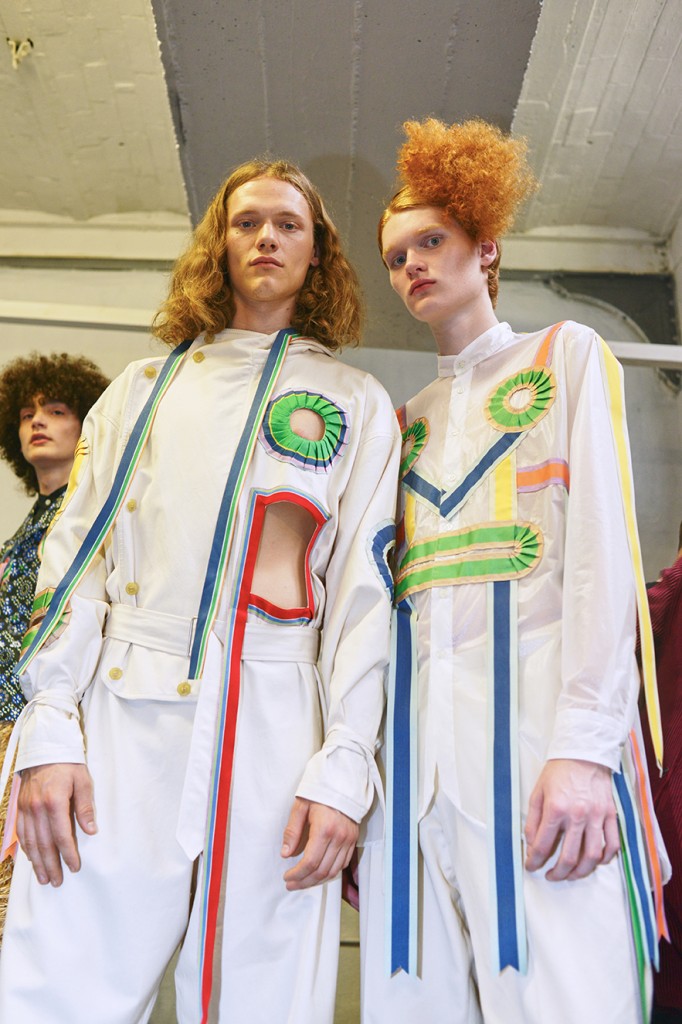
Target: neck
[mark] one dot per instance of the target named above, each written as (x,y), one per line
(454,334)
(263,318)
(52,478)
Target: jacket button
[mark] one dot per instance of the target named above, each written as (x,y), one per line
(115,673)
(184,689)
(132,588)
(150,371)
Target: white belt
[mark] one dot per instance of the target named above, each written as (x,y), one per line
(173,634)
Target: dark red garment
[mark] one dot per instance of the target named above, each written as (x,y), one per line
(665,602)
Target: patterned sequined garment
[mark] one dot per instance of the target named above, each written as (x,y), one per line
(19,564)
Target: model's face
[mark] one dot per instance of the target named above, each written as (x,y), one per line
(48,433)
(434,266)
(270,243)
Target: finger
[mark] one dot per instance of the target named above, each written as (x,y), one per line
(59,837)
(569,854)
(611,839)
(84,804)
(293,839)
(313,855)
(592,852)
(349,858)
(329,867)
(544,844)
(534,817)
(27,839)
(339,864)
(47,850)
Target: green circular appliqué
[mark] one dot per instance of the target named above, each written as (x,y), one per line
(521,400)
(415,437)
(278,438)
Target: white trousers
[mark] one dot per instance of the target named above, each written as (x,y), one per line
(94,950)
(581,964)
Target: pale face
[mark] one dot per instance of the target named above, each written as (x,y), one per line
(438,271)
(270,248)
(48,434)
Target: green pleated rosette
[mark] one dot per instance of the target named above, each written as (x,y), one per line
(280,441)
(415,437)
(520,401)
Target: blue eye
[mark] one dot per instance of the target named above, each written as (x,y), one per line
(432,241)
(398,261)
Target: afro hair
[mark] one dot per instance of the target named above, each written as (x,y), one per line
(474,171)
(73,380)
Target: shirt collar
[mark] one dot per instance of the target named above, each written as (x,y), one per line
(480,348)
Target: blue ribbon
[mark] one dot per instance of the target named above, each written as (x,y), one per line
(401,804)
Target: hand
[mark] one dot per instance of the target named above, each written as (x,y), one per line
(572,804)
(49,796)
(325,836)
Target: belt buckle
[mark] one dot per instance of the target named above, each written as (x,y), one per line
(192,630)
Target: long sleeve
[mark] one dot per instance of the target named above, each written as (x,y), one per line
(599,680)
(355,645)
(58,676)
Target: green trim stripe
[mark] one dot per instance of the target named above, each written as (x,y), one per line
(470,555)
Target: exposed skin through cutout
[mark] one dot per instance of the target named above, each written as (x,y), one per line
(279,575)
(307,423)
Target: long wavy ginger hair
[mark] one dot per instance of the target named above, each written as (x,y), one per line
(329,306)
(473,171)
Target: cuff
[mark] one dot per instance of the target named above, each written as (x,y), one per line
(342,775)
(588,736)
(50,732)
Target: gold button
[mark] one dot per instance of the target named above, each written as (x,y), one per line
(184,689)
(115,673)
(132,588)
(132,505)
(150,371)
(198,357)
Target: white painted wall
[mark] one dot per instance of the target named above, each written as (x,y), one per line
(654,411)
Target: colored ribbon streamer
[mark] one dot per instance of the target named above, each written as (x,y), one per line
(222,538)
(508,929)
(639,896)
(107,515)
(614,396)
(221,774)
(647,817)
(401,862)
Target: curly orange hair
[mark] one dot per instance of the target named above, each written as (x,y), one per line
(329,306)
(473,171)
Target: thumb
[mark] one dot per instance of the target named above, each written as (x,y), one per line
(292,840)
(84,805)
